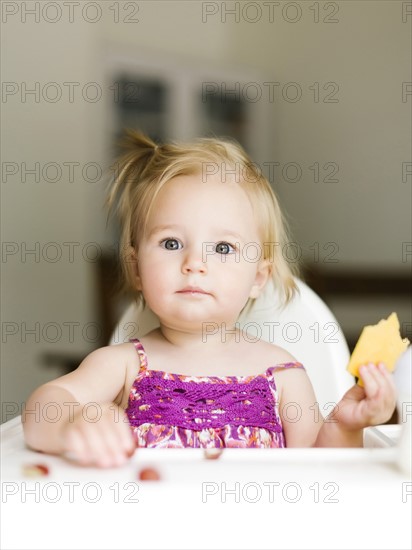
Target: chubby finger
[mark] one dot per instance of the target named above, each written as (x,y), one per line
(120,438)
(386,374)
(96,445)
(372,379)
(112,440)
(85,445)
(113,451)
(378,382)
(388,384)
(76,448)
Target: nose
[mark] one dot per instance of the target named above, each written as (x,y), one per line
(193,263)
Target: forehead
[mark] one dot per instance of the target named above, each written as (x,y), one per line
(204,190)
(194,200)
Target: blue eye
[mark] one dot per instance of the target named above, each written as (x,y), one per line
(171,244)
(224,248)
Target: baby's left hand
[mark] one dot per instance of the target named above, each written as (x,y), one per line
(371,404)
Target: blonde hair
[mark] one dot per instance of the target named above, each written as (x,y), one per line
(145,167)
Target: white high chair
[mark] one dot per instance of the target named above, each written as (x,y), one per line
(305,327)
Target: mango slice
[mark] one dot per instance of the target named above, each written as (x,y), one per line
(380,343)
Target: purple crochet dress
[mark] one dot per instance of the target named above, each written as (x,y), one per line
(175,410)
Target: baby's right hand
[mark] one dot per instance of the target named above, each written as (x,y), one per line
(106,442)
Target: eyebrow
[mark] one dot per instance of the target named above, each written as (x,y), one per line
(230,233)
(159,228)
(172,227)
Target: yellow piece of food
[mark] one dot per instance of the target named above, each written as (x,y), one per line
(380,343)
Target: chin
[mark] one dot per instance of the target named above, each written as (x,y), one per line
(187,320)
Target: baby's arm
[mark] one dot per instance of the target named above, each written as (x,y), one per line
(90,425)
(360,407)
(298,409)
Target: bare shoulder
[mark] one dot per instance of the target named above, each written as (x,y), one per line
(271,354)
(109,359)
(115,354)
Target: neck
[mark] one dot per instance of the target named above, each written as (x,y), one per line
(212,335)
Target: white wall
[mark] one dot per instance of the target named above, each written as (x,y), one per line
(367,134)
(362,221)
(38,293)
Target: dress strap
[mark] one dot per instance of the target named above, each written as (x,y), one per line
(141,352)
(284,366)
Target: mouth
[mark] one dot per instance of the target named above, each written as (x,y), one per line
(193,290)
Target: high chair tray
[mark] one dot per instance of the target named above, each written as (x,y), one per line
(247,498)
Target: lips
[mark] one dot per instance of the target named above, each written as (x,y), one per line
(192,290)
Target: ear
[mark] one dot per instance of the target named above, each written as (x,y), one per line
(134,268)
(262,276)
(138,281)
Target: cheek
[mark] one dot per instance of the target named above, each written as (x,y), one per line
(151,278)
(155,279)
(238,277)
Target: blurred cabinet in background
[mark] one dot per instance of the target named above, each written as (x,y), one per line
(173,100)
